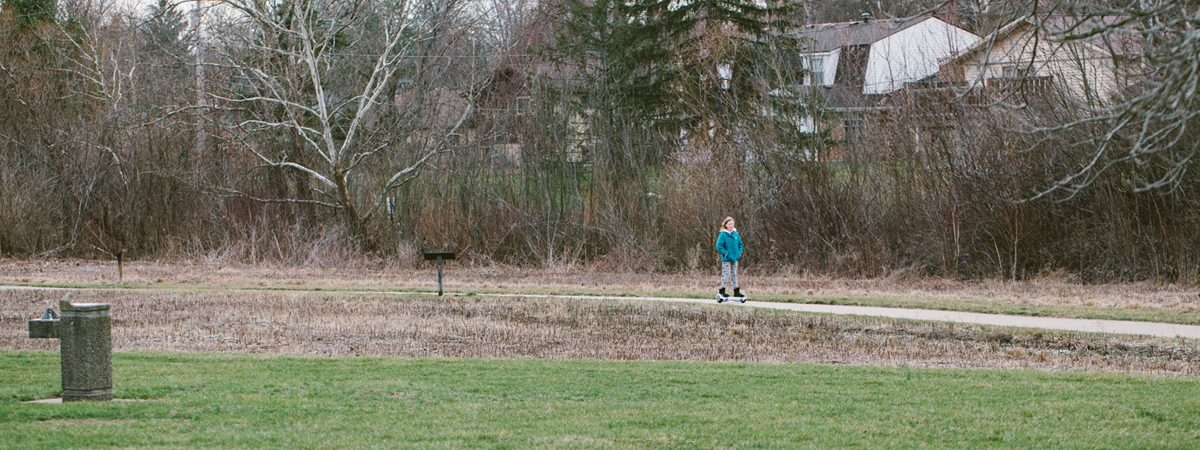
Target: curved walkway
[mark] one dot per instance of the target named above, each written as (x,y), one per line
(1168,330)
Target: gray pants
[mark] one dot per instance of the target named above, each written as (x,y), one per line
(729,274)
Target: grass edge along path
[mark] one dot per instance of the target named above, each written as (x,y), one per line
(1158,315)
(1170,316)
(238,400)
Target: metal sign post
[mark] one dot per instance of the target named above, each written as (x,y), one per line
(439,257)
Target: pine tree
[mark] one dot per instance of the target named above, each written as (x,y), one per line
(731,51)
(30,13)
(164,36)
(669,64)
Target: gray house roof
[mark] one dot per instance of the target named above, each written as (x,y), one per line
(826,37)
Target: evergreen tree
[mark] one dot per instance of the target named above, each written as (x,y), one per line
(732,51)
(164,36)
(30,13)
(670,64)
(622,54)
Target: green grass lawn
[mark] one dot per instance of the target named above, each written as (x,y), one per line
(226,400)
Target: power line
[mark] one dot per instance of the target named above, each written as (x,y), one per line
(366,55)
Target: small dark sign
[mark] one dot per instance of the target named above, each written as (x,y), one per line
(439,257)
(434,256)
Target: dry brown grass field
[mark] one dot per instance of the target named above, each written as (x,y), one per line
(1047,290)
(329,323)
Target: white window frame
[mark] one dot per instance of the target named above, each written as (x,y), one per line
(816,75)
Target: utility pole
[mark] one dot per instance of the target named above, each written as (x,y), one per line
(201,99)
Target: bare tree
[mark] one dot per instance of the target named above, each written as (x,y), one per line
(330,90)
(1151,126)
(96,49)
(506,22)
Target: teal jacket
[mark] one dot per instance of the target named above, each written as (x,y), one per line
(729,245)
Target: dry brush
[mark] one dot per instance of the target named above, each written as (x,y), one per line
(478,327)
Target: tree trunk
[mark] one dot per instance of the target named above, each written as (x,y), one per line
(355,223)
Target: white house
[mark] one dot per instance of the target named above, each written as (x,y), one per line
(879,55)
(853,65)
(1032,51)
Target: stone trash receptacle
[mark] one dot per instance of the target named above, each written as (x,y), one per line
(84,332)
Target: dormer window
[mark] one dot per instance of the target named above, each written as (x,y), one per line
(725,72)
(815,64)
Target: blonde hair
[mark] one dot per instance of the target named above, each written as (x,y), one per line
(725,222)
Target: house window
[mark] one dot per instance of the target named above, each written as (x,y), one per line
(523,104)
(853,126)
(816,70)
(725,72)
(1015,71)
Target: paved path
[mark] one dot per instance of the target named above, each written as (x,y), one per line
(1049,323)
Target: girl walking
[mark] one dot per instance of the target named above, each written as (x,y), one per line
(729,245)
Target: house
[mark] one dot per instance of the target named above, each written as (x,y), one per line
(1025,63)
(1030,53)
(879,56)
(508,103)
(851,66)
(503,105)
